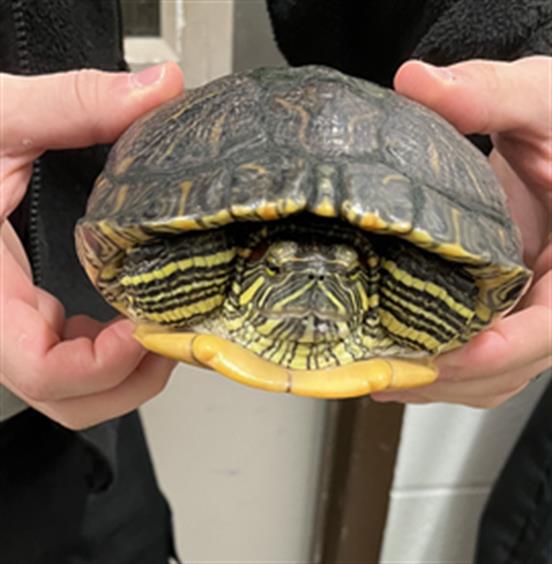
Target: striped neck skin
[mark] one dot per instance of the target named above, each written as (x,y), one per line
(311,296)
(302,291)
(301,294)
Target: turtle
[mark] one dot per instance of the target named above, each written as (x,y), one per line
(301,230)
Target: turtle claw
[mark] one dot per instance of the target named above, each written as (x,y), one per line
(241,365)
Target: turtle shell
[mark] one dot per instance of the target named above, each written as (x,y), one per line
(269,143)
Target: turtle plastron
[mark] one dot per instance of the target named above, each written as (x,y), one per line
(239,364)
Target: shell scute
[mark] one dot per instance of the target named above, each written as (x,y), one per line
(429,151)
(265,144)
(377,190)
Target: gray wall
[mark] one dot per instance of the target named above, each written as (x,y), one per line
(253,39)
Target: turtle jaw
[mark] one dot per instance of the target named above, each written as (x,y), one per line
(308,327)
(239,364)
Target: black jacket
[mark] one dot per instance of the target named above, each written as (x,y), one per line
(372,38)
(45,37)
(68,497)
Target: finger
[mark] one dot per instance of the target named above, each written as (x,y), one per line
(15,174)
(15,275)
(481,393)
(11,244)
(42,366)
(51,310)
(79,108)
(146,381)
(483,96)
(465,385)
(519,340)
(543,267)
(33,356)
(16,283)
(532,217)
(531,158)
(81,326)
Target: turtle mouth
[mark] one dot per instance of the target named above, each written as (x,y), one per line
(304,313)
(309,327)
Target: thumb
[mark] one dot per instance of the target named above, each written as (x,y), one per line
(483,96)
(79,108)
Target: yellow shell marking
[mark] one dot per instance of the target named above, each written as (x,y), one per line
(325,208)
(121,197)
(371,221)
(123,165)
(113,235)
(216,133)
(291,206)
(394,178)
(185,188)
(183,224)
(223,217)
(456,223)
(434,158)
(268,211)
(258,168)
(475,182)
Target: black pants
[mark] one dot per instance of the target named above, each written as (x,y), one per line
(68,498)
(517,523)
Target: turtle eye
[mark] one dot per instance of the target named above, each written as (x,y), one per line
(279,254)
(272,267)
(353,270)
(347,257)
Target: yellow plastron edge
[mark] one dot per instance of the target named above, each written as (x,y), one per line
(237,363)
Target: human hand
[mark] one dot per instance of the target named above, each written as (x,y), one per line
(75,370)
(513,103)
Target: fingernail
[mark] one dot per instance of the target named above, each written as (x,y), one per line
(443,73)
(148,76)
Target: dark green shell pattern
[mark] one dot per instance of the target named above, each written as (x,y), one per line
(268,143)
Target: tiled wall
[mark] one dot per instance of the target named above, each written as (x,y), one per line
(448,458)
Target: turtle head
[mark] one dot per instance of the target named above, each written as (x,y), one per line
(303,291)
